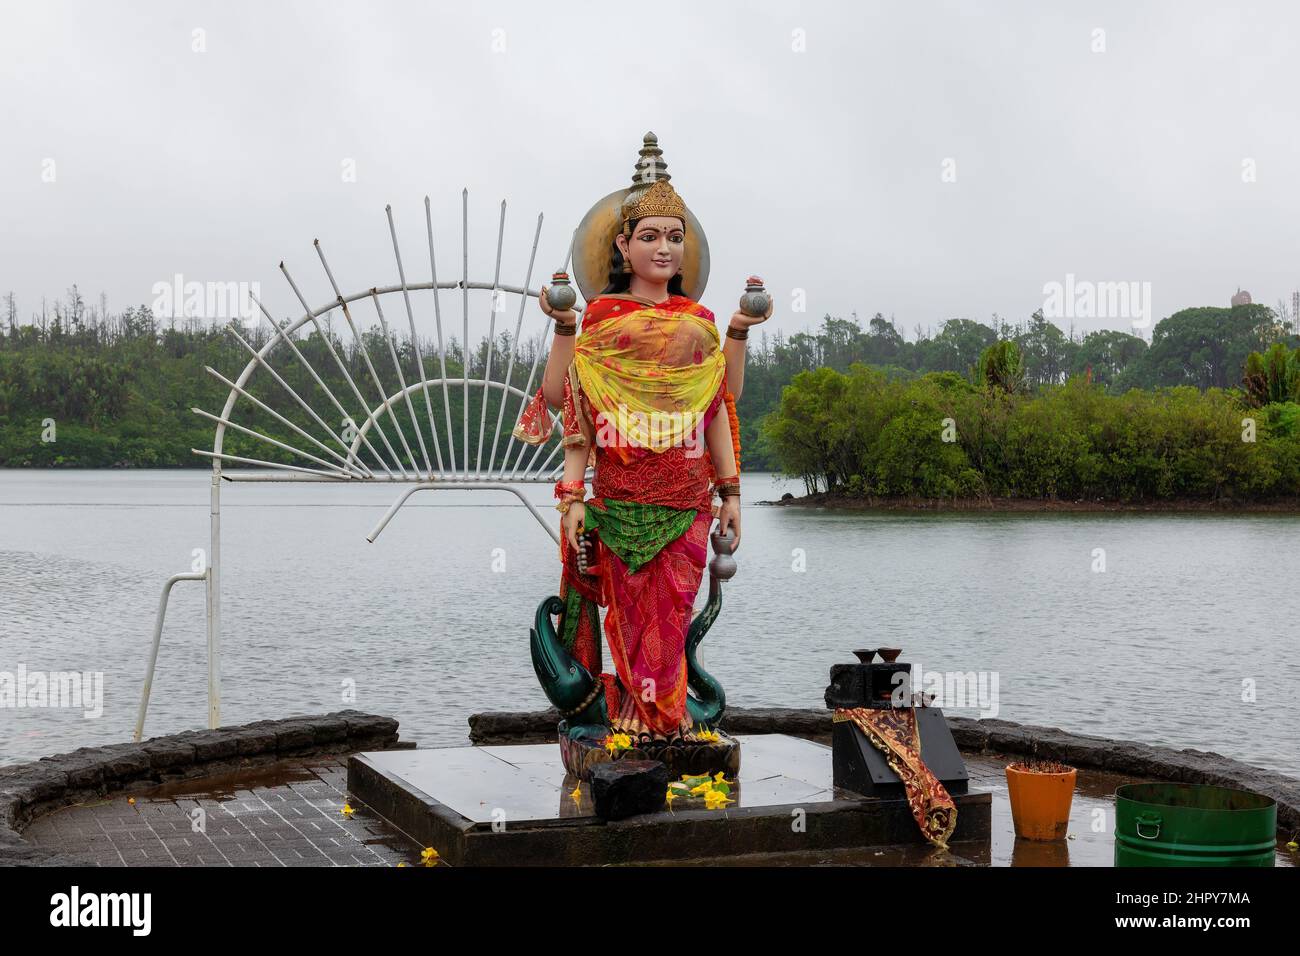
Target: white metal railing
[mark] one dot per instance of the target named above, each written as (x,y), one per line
(392,452)
(157,640)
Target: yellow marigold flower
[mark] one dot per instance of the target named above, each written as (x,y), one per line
(347,811)
(705,788)
(618,742)
(713,800)
(429,856)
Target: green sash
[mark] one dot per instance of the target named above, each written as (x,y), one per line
(636,532)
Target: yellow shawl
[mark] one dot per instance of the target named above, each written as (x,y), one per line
(649,371)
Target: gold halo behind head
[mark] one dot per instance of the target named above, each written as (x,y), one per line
(594,240)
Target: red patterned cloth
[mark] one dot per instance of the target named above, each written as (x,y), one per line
(893,731)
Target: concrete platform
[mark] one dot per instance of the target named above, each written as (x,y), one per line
(515,806)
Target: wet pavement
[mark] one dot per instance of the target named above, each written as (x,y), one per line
(291,814)
(288,814)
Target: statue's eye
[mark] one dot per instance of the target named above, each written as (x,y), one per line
(676,237)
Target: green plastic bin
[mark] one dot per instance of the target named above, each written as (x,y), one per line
(1189,824)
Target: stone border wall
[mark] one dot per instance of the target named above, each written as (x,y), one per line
(976,736)
(33,789)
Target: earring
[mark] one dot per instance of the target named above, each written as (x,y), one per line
(627,265)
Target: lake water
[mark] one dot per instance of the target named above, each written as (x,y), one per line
(1187,638)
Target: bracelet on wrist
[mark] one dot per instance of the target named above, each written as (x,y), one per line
(566,328)
(565,489)
(735,333)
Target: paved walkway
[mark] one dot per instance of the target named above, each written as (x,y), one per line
(289,814)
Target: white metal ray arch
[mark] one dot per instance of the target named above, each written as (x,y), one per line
(403,434)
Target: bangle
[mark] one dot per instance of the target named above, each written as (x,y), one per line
(566,328)
(731,488)
(735,333)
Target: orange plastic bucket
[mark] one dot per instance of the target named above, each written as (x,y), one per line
(1040,803)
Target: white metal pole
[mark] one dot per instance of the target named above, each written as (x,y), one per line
(214,601)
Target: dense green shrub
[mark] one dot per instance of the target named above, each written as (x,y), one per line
(1072,441)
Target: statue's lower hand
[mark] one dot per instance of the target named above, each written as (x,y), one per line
(571,523)
(729,517)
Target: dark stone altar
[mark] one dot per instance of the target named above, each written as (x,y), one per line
(858,764)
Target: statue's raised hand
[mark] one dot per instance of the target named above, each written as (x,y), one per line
(561,317)
(743,320)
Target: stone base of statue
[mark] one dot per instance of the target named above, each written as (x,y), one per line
(681,758)
(514,805)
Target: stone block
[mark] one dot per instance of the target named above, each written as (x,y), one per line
(625,788)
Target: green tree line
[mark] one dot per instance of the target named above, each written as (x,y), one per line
(864,434)
(119,387)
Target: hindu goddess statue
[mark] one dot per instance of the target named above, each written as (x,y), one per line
(646,392)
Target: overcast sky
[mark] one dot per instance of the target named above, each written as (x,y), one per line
(925,160)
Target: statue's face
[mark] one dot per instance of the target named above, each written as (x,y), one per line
(656,247)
